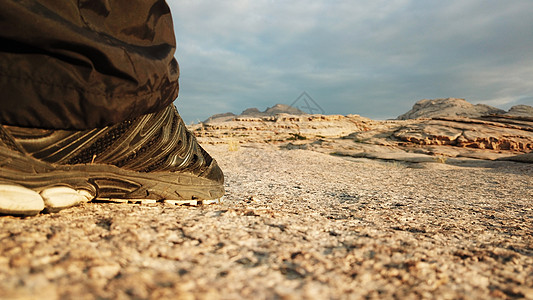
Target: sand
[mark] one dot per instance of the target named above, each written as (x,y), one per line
(294,224)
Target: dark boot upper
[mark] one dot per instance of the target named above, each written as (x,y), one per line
(150,143)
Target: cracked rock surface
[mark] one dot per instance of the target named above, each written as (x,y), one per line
(295,224)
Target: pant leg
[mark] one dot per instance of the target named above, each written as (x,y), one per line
(79,64)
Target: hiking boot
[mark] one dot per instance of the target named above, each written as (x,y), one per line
(152,158)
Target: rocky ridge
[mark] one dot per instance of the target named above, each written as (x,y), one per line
(443,128)
(448,107)
(255,113)
(280,128)
(520,111)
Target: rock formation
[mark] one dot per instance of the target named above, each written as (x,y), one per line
(448,107)
(468,133)
(449,128)
(255,113)
(221,117)
(251,112)
(283,109)
(520,111)
(280,128)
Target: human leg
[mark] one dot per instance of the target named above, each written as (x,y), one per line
(87,112)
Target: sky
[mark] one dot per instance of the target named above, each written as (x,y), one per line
(372,58)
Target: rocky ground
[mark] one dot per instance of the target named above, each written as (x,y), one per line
(316,207)
(294,224)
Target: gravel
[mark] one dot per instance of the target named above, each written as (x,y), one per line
(294,224)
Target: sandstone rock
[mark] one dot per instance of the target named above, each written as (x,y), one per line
(429,133)
(521,111)
(255,113)
(466,133)
(280,128)
(221,117)
(525,158)
(486,137)
(251,112)
(490,138)
(283,109)
(449,138)
(448,107)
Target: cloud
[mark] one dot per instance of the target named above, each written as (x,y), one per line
(374,58)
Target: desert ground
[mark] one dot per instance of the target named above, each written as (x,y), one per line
(294,224)
(297,222)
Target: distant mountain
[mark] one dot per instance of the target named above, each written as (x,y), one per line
(250,112)
(256,113)
(520,111)
(449,107)
(228,115)
(283,109)
(423,109)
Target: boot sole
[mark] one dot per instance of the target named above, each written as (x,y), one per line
(107,183)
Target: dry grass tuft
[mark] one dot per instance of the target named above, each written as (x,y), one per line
(440,159)
(233,145)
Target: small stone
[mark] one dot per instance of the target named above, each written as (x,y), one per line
(106,271)
(15,199)
(57,198)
